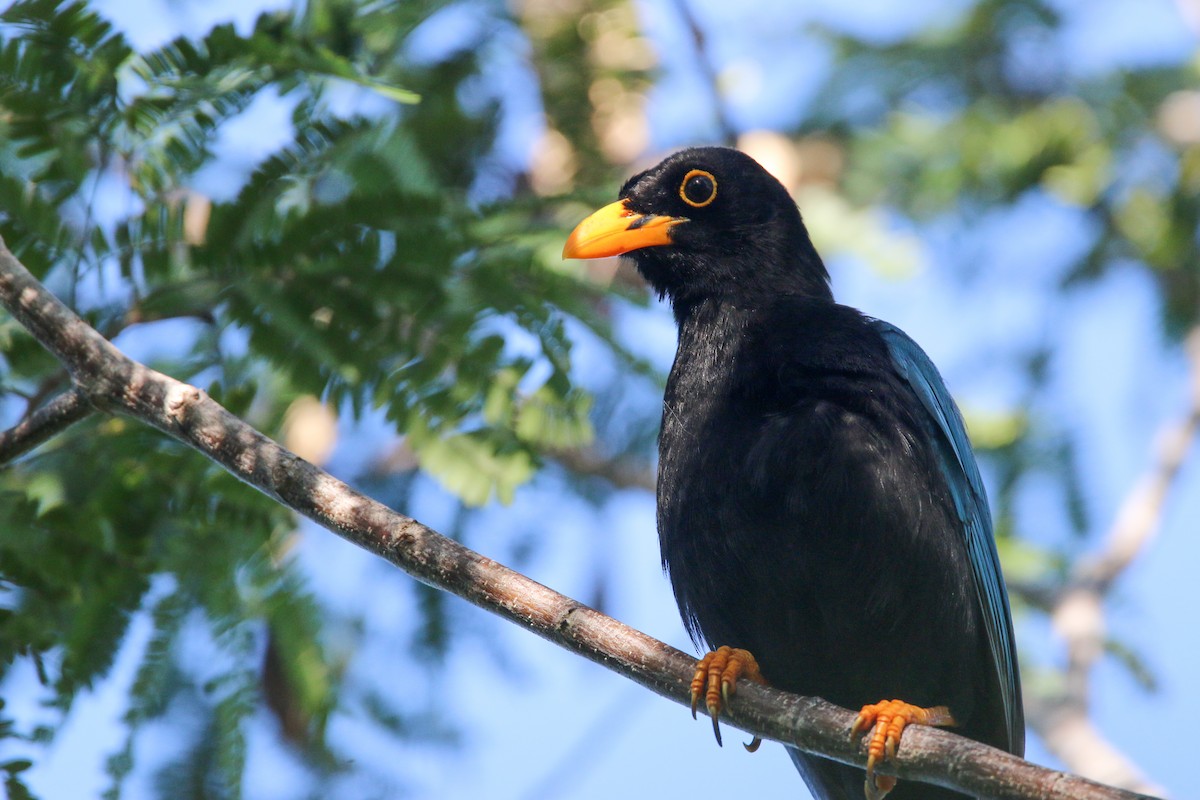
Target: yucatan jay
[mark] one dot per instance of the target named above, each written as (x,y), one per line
(820,512)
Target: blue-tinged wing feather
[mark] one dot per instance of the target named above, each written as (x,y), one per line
(966,487)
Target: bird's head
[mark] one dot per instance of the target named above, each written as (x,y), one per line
(707,222)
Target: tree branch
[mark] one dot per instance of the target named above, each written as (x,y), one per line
(60,413)
(1063,721)
(1141,512)
(115,383)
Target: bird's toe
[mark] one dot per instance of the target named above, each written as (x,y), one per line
(715,679)
(889,718)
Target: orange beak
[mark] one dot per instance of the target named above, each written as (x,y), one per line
(615,229)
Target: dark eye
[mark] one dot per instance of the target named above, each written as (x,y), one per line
(699,188)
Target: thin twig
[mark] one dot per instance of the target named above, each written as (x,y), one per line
(114,382)
(622,473)
(60,413)
(708,71)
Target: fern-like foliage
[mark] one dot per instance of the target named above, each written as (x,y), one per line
(352,264)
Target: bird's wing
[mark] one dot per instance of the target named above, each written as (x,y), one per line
(966,487)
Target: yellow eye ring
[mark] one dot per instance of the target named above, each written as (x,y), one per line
(698,189)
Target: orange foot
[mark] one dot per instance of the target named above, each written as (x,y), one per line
(889,717)
(716,678)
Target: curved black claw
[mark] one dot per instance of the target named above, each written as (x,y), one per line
(715,713)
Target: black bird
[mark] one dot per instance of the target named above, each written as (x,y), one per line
(819,505)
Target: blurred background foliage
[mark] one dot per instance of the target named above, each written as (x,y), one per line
(381,279)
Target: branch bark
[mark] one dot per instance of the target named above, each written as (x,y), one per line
(112,382)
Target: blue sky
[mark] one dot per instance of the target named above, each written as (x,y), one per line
(544,723)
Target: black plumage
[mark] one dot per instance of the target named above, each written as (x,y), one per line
(818,501)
